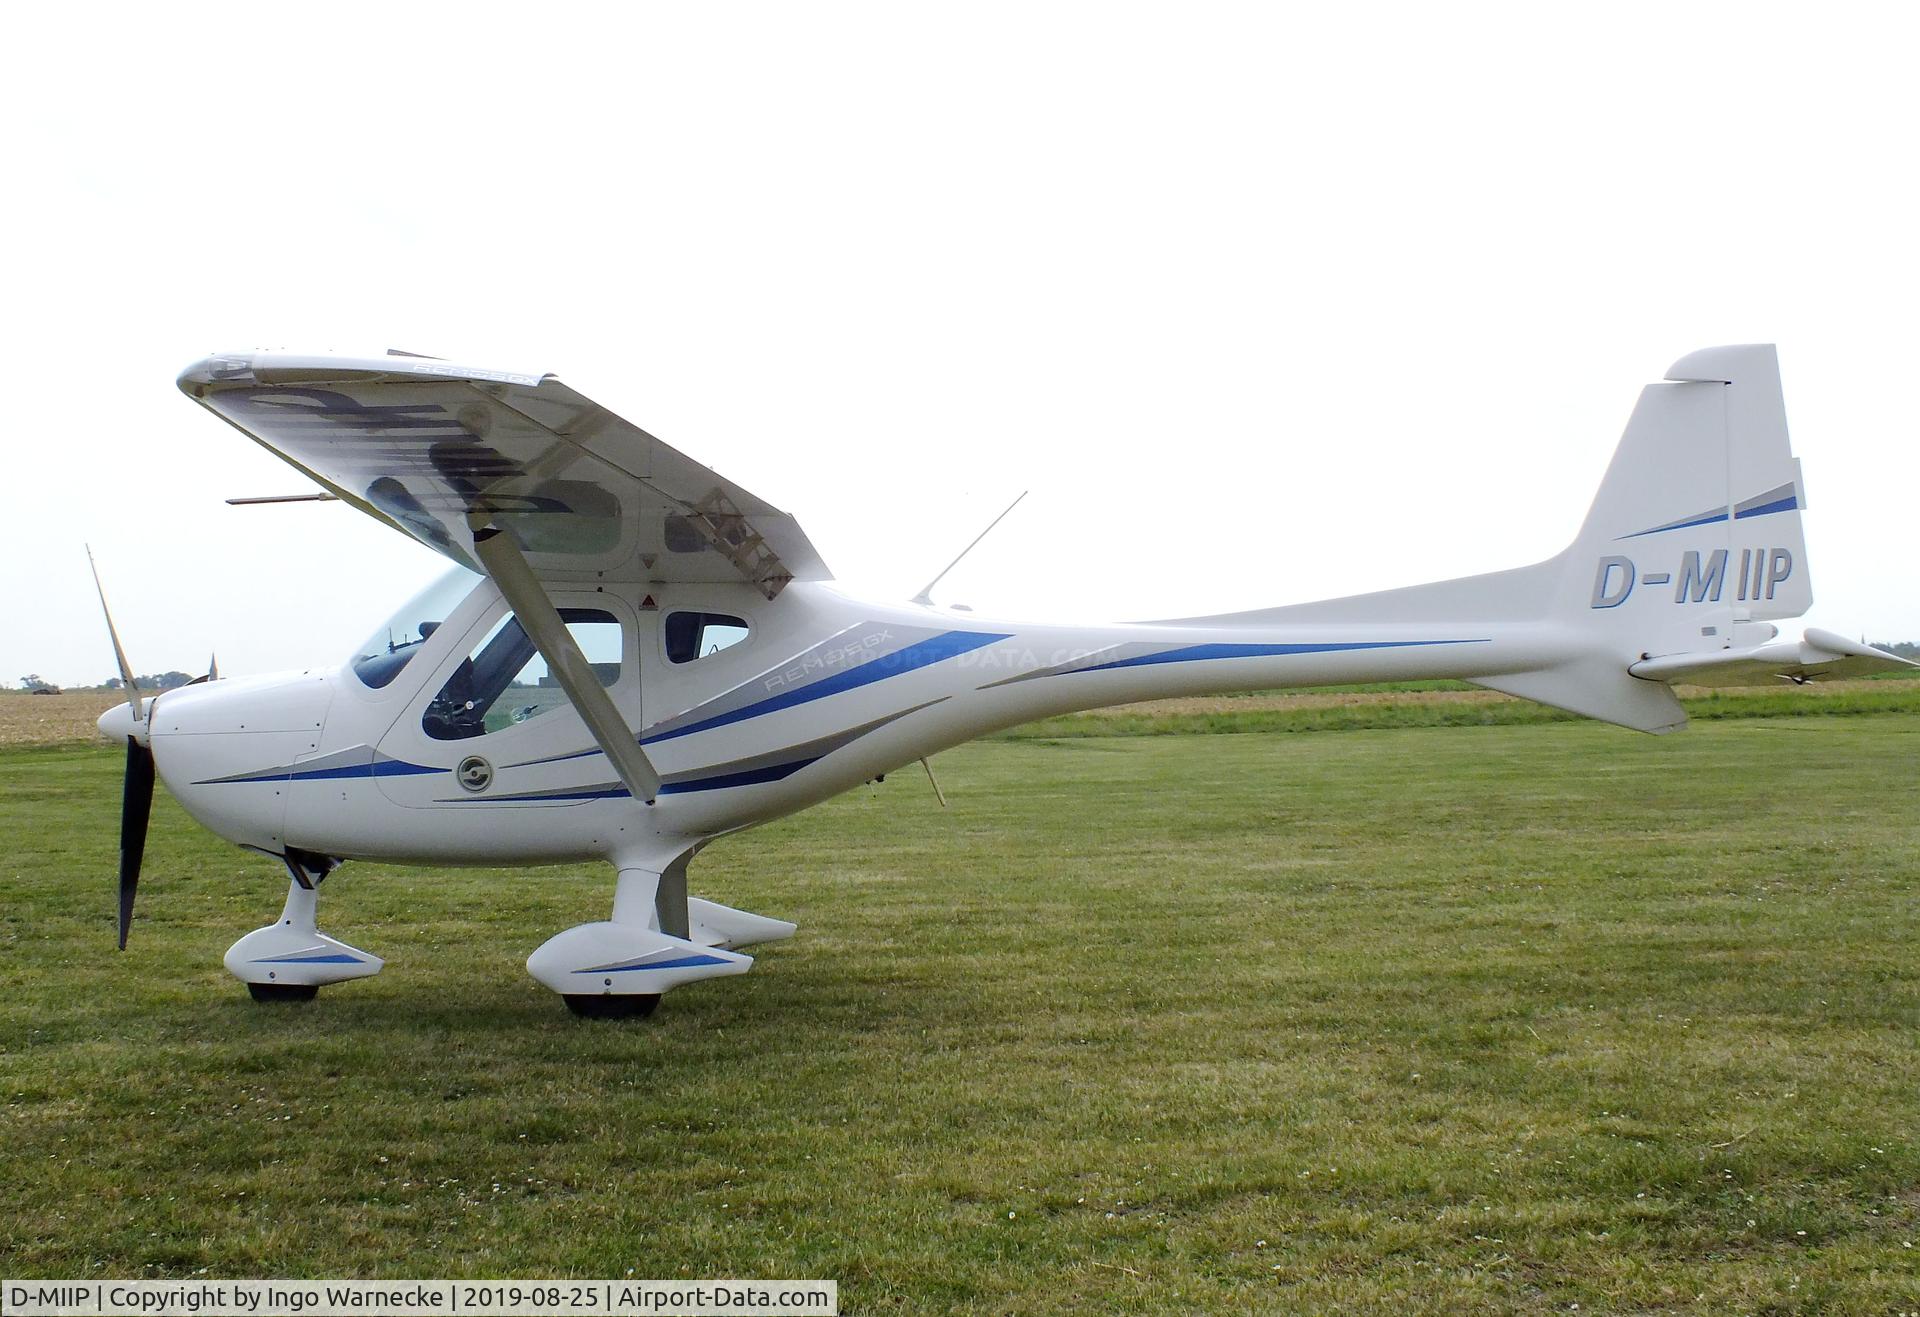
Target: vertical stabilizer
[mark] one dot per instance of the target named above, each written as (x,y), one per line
(1695,533)
(1692,543)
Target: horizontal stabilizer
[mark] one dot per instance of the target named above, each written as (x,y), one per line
(1818,656)
(1595,687)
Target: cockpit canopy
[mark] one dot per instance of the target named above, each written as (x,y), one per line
(394,643)
(504,663)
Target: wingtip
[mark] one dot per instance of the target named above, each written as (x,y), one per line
(195,379)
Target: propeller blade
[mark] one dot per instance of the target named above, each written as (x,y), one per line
(136,793)
(136,805)
(119,654)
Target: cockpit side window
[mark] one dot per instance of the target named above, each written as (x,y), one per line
(693,636)
(504,681)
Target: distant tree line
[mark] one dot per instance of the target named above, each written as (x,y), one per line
(1906,649)
(152,681)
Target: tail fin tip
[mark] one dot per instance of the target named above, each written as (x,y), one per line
(1724,365)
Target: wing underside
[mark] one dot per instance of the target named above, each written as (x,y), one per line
(437,450)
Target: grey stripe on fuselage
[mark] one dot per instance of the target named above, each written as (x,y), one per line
(354,756)
(1776,495)
(810,751)
(1096,658)
(854,647)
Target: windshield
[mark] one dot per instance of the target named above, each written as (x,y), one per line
(379,660)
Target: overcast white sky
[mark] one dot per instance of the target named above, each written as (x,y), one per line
(1263,303)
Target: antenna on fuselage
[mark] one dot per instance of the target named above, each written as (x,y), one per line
(926,591)
(926,762)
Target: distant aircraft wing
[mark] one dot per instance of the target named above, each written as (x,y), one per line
(1819,656)
(435,449)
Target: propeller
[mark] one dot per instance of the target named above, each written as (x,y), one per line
(136,805)
(136,799)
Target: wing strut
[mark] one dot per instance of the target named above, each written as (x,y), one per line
(501,556)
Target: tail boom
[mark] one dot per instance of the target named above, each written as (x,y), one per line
(1692,546)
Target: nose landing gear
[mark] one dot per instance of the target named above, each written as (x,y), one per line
(291,959)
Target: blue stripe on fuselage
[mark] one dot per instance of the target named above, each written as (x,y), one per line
(385,768)
(1197,653)
(682,962)
(1787,504)
(1708,520)
(720,781)
(747,778)
(913,657)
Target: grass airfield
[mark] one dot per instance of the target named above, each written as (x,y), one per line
(1469,1018)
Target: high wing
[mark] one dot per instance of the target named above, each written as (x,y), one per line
(438,450)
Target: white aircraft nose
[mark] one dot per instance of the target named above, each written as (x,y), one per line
(117,724)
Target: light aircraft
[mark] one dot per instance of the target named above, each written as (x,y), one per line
(633,656)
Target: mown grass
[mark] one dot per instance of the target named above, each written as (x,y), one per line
(1473,1020)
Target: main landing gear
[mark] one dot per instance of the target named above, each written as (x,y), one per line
(616,969)
(283,991)
(289,960)
(612,1006)
(658,938)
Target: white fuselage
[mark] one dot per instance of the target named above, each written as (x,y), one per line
(825,693)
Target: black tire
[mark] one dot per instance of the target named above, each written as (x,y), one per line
(612,1005)
(283,991)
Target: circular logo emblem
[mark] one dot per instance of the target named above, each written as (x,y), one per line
(475,773)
